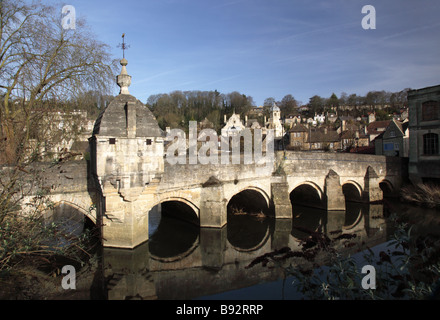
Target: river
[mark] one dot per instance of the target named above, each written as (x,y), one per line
(183,261)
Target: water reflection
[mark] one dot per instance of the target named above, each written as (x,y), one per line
(170,237)
(248,232)
(307,220)
(183,261)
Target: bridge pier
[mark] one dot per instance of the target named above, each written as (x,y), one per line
(125,221)
(281,200)
(213,208)
(334,197)
(372,191)
(213,245)
(335,221)
(281,234)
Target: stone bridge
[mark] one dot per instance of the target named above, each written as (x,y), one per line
(323,180)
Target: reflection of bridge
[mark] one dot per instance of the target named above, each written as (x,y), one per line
(212,264)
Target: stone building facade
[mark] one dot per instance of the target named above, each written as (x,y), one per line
(394,141)
(424,126)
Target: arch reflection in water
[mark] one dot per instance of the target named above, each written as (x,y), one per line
(173,231)
(307,220)
(250,220)
(353,214)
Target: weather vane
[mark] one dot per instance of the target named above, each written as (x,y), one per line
(124,46)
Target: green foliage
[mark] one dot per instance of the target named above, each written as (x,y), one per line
(382,115)
(177,108)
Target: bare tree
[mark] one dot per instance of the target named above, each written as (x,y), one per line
(42,66)
(41,63)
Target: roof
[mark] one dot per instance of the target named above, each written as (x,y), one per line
(402,125)
(373,126)
(298,128)
(323,136)
(112,120)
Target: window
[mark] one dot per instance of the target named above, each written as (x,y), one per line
(430,110)
(430,144)
(148,142)
(112,141)
(388,146)
(392,133)
(396,146)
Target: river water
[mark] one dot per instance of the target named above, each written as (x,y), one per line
(183,261)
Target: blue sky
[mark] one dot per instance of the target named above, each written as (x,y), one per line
(270,48)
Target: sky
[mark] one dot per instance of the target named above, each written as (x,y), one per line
(270,48)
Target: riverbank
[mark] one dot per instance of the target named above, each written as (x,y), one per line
(30,283)
(425,195)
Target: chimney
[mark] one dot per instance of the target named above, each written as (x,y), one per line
(130,113)
(225,118)
(343,125)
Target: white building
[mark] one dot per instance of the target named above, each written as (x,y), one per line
(275,122)
(232,126)
(319,118)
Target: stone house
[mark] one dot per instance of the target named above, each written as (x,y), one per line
(205,124)
(324,139)
(292,119)
(424,126)
(251,123)
(394,141)
(376,128)
(352,135)
(298,135)
(303,138)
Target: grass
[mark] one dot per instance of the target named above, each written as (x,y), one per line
(426,195)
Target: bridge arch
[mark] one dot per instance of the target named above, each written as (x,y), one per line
(307,194)
(353,221)
(252,198)
(184,200)
(90,213)
(173,228)
(387,187)
(312,185)
(352,191)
